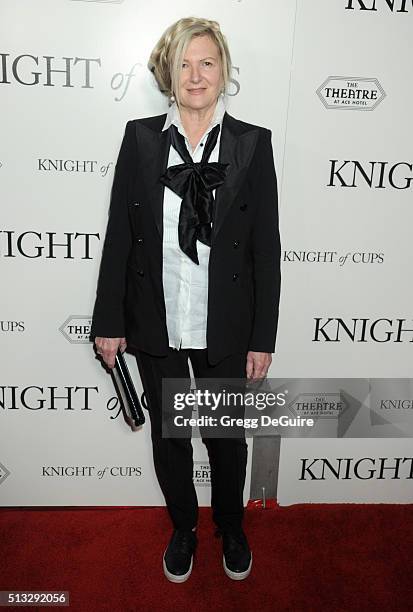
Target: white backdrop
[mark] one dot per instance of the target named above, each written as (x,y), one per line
(330,78)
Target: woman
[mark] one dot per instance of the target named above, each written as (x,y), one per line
(191,270)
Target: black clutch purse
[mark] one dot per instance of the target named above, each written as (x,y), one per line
(126,390)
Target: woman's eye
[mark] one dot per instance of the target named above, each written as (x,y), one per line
(207,63)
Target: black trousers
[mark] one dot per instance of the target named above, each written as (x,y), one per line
(173,457)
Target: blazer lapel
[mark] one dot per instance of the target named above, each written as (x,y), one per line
(154,145)
(161,165)
(236,149)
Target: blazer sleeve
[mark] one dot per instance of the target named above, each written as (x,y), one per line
(266,249)
(108,314)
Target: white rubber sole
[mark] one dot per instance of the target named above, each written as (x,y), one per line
(236,575)
(174,577)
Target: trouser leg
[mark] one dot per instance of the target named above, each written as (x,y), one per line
(227,456)
(173,457)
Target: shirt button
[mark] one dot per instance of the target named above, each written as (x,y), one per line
(235,244)
(202,144)
(139,240)
(235,276)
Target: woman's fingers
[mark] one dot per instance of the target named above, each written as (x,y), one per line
(250,365)
(257,365)
(108,347)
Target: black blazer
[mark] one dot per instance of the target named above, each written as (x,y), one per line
(244,262)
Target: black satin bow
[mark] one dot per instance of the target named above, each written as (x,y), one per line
(194,183)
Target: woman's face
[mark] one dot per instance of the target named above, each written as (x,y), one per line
(201,74)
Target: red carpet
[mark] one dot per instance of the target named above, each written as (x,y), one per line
(307,558)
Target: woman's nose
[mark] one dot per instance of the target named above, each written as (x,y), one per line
(195,76)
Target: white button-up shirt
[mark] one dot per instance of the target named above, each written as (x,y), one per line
(185,283)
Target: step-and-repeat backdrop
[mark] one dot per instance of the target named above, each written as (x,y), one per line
(331,79)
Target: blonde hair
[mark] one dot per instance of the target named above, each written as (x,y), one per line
(166,59)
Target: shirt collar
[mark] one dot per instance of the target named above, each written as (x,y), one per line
(173,116)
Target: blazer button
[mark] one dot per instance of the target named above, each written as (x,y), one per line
(140,272)
(236,244)
(136,203)
(235,276)
(139,240)
(243,207)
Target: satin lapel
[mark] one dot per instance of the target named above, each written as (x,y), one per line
(154,146)
(236,149)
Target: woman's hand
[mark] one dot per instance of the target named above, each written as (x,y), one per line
(257,365)
(108,347)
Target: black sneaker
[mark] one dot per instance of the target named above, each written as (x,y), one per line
(237,557)
(178,557)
